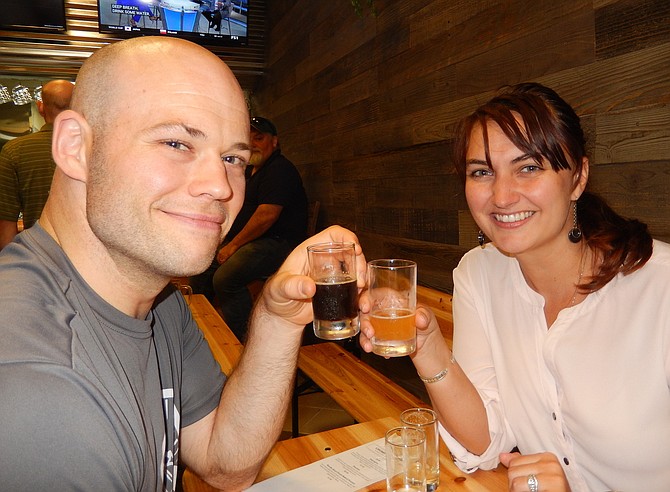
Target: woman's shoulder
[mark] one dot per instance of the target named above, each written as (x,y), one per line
(660,256)
(661,250)
(486,256)
(486,262)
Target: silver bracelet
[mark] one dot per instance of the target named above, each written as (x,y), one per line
(440,375)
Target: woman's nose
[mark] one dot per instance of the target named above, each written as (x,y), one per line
(504,191)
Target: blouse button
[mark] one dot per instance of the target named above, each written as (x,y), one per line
(553,415)
(566,461)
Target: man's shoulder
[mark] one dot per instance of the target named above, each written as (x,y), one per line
(279,159)
(40,138)
(280,165)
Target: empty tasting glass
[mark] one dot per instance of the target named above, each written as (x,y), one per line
(392,291)
(333,267)
(426,420)
(182,286)
(405,449)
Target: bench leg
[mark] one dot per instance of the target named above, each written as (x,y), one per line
(299,389)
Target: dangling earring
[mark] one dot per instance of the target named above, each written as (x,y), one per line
(480,238)
(575,234)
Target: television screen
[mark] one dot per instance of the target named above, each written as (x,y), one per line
(205,21)
(41,15)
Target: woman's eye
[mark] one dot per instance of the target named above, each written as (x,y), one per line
(531,168)
(478,173)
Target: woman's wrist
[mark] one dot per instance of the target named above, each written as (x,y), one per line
(440,375)
(434,360)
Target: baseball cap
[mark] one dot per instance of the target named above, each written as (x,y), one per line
(263,125)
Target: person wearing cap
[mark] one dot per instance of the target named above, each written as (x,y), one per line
(273,220)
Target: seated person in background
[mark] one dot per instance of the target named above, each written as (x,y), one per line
(562,321)
(26,165)
(273,220)
(106,380)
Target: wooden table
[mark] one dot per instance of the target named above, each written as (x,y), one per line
(294,453)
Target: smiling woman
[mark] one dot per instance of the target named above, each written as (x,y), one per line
(551,316)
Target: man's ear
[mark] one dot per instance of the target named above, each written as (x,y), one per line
(72,138)
(40,108)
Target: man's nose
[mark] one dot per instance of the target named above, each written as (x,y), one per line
(211,178)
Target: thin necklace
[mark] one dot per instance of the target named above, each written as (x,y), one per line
(582,264)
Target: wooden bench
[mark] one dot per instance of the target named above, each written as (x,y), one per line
(359,389)
(225,346)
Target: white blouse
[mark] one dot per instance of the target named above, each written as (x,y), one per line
(594,389)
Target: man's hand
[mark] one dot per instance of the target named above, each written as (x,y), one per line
(288,293)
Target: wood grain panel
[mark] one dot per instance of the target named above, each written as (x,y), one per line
(567,42)
(630,25)
(637,190)
(633,135)
(626,81)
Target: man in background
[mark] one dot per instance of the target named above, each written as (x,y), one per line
(106,381)
(273,220)
(26,165)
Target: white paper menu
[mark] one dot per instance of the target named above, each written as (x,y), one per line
(350,470)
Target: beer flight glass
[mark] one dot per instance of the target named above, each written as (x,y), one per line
(426,420)
(405,449)
(392,291)
(333,267)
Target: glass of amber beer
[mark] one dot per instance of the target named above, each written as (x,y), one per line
(392,290)
(333,267)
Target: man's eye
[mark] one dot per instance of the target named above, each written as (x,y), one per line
(235,160)
(531,168)
(176,144)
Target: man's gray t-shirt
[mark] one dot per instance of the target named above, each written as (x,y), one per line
(90,398)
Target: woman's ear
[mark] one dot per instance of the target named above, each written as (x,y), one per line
(71,140)
(581,179)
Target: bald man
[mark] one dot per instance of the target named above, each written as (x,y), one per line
(26,166)
(106,381)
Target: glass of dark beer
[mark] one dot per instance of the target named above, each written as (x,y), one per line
(335,303)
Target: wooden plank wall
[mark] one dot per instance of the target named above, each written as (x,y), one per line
(366,106)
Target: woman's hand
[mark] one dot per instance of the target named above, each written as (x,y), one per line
(426,324)
(545,466)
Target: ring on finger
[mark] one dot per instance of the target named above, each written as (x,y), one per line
(533,484)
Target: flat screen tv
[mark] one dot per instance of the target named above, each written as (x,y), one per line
(33,15)
(214,22)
